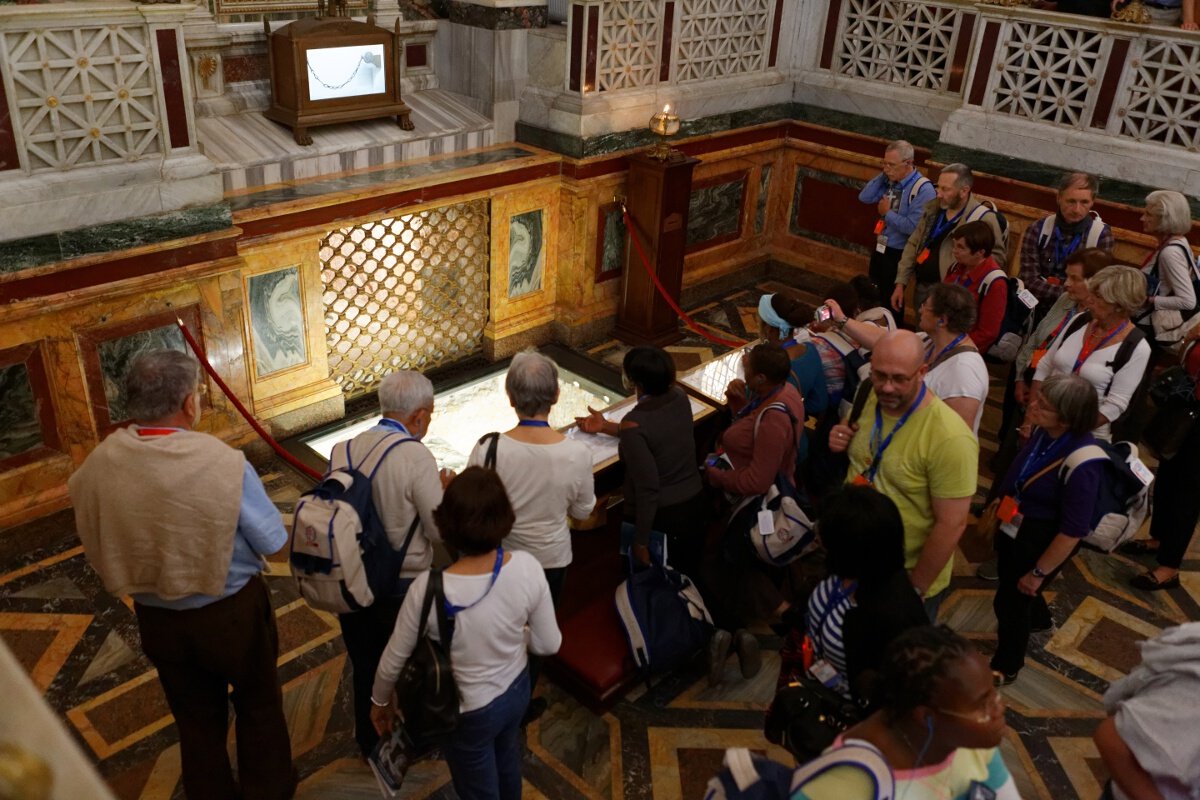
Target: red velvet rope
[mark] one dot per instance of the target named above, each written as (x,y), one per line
(259,429)
(691,323)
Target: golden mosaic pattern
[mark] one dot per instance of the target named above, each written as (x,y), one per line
(405,292)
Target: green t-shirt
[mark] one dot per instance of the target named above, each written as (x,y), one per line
(933,455)
(950,780)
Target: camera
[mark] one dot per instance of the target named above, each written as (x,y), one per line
(823,314)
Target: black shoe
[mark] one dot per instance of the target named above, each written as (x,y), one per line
(537,707)
(718,651)
(1003,678)
(1148,583)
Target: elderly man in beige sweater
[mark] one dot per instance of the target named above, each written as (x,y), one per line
(180,521)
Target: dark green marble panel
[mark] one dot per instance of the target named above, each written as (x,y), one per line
(117,354)
(612,256)
(20,430)
(33,251)
(495,19)
(715,211)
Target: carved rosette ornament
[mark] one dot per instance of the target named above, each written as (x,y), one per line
(206,67)
(1134,12)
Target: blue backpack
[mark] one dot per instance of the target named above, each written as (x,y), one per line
(664,617)
(750,777)
(340,554)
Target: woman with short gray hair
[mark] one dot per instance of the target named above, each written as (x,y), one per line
(1103,345)
(1044,511)
(548,477)
(1170,271)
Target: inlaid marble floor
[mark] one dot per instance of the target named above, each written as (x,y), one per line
(81,648)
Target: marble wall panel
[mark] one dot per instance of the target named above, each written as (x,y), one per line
(715,212)
(277,321)
(526,253)
(117,354)
(612,242)
(20,429)
(760,207)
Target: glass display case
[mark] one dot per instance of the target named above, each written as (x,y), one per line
(710,378)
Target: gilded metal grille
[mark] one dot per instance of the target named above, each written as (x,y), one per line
(407,292)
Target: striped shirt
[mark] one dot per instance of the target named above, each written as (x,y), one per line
(827,607)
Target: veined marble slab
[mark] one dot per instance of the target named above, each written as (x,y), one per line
(251,150)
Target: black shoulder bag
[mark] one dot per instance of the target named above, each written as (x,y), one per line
(426,692)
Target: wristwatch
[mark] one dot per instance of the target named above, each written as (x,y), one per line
(1037,572)
(841,323)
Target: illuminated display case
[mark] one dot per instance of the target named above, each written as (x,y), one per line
(327,70)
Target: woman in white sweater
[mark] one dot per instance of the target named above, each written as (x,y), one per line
(1170,269)
(502,606)
(1090,344)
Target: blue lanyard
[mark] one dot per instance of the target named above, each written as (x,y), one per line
(966,284)
(948,348)
(533,423)
(1061,255)
(942,224)
(388,422)
(1037,459)
(452,609)
(877,431)
(1085,353)
(789,343)
(758,401)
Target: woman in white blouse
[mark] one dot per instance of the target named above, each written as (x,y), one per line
(497,595)
(1090,344)
(1170,269)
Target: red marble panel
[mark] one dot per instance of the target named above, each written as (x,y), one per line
(666,54)
(983,65)
(246,68)
(1108,85)
(775,33)
(962,49)
(115,270)
(576,46)
(593,32)
(391,201)
(9,158)
(832,209)
(172,82)
(416,55)
(831,25)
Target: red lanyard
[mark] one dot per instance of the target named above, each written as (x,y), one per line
(1085,352)
(157,431)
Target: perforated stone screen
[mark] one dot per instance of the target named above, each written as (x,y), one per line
(405,292)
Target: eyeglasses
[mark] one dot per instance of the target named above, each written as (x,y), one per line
(894,164)
(895,379)
(992,708)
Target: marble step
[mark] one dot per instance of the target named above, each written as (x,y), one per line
(251,150)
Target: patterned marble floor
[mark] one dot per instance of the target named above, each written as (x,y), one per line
(81,648)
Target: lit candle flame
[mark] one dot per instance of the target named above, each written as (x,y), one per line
(667,108)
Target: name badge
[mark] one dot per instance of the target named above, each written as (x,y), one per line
(823,671)
(879,225)
(1026,297)
(923,256)
(880,244)
(766,522)
(978,791)
(1142,472)
(1010,517)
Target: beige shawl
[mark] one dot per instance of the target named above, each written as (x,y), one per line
(157,514)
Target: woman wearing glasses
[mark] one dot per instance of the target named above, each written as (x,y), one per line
(939,728)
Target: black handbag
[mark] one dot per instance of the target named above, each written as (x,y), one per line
(806,716)
(1173,386)
(426,691)
(1169,429)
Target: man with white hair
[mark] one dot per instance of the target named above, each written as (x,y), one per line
(179,521)
(899,193)
(915,449)
(406,489)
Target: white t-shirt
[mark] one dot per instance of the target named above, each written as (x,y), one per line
(961,375)
(545,484)
(488,650)
(1114,391)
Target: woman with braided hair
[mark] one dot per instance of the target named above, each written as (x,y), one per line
(939,726)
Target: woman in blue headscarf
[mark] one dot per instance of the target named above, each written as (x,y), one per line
(783,318)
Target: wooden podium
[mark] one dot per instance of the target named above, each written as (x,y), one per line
(658,194)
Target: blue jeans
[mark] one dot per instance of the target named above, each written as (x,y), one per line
(484,752)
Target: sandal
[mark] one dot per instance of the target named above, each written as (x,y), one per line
(1148,583)
(1139,547)
(1003,678)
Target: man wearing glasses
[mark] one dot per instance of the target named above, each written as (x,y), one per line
(917,451)
(179,521)
(899,193)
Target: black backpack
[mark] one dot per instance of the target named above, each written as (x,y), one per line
(1131,423)
(426,691)
(1017,324)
